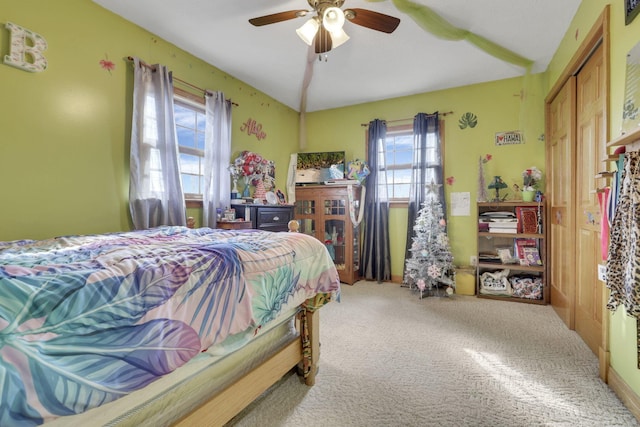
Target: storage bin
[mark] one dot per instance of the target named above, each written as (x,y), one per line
(466,280)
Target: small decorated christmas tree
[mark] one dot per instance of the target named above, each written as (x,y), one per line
(430,267)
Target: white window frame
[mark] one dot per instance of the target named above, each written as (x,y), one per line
(390,165)
(393,132)
(187,100)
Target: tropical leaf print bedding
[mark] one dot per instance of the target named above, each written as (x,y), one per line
(85,320)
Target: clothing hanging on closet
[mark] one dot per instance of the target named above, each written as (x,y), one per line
(623,263)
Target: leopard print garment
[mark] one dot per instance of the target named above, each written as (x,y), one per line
(623,262)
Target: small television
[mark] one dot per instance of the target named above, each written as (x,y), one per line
(317,168)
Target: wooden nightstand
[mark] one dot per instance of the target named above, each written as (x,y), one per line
(234,225)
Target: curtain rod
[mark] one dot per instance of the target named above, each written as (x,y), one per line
(204,91)
(407,119)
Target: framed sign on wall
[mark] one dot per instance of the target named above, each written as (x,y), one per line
(631,9)
(631,106)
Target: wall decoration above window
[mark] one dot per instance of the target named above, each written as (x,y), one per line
(468,120)
(25,49)
(251,127)
(631,9)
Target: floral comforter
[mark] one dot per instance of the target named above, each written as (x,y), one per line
(85,320)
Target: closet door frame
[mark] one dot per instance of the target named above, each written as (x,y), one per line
(598,35)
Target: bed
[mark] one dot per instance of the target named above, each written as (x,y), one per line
(168,326)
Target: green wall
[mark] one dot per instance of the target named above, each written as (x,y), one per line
(498,107)
(65,131)
(622,328)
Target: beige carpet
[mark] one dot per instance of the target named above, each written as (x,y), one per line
(391,359)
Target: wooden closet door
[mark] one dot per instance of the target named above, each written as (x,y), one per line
(560,187)
(591,148)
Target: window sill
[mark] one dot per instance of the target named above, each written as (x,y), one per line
(399,204)
(193,203)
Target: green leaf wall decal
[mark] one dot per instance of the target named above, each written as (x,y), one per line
(468,120)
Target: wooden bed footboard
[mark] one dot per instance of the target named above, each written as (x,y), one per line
(225,405)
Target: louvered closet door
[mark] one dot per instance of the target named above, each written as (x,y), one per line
(591,148)
(561,184)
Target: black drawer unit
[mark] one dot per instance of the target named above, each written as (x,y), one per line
(266,217)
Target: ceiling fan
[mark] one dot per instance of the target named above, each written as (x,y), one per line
(324,29)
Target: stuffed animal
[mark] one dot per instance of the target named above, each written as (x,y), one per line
(293,225)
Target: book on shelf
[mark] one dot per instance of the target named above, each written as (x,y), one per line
(497,215)
(527,219)
(483,226)
(502,230)
(504,224)
(489,257)
(531,256)
(521,244)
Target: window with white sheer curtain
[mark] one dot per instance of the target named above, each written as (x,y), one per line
(168,155)
(155,191)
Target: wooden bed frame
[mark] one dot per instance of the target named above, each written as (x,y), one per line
(225,405)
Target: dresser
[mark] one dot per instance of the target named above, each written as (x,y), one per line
(266,217)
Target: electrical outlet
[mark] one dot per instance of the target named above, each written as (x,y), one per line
(602,272)
(473,260)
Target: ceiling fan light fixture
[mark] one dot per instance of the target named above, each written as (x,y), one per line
(308,31)
(333,19)
(339,37)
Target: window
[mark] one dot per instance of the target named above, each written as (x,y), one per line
(190,127)
(398,158)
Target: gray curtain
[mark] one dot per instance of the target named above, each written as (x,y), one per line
(217,157)
(155,189)
(376,255)
(426,167)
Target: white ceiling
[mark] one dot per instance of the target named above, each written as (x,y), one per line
(370,66)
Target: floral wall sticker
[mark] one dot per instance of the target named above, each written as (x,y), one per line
(450,180)
(468,120)
(106,64)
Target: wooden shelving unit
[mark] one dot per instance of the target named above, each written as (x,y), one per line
(491,242)
(625,139)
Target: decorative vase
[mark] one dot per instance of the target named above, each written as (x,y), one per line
(260,192)
(528,196)
(235,186)
(245,192)
(482,191)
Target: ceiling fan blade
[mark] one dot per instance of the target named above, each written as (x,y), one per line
(277,17)
(374,20)
(322,41)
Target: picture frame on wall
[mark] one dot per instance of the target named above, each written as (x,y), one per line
(631,104)
(631,9)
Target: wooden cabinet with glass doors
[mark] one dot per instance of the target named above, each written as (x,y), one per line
(323,212)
